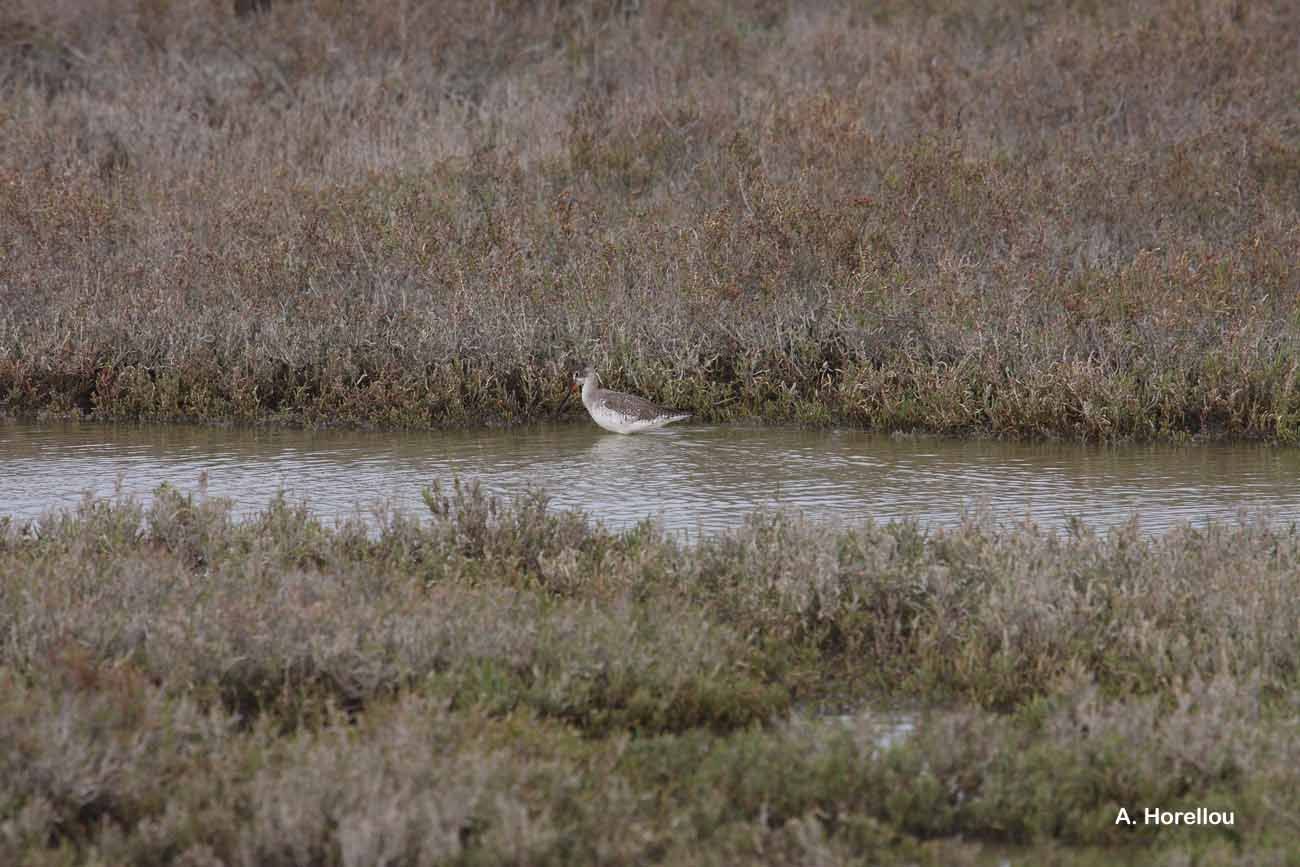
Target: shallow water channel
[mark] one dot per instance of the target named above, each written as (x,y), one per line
(695,479)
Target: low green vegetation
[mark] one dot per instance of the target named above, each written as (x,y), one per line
(503,684)
(1075,219)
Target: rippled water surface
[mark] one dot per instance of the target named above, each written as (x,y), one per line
(696,479)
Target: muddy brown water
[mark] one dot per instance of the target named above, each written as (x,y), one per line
(694,479)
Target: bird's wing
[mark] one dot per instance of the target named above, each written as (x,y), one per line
(632,406)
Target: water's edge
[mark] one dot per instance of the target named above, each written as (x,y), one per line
(693,479)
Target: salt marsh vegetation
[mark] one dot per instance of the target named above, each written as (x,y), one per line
(501,683)
(1075,220)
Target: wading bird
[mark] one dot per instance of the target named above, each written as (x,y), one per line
(622,413)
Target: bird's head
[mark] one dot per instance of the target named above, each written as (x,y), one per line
(580,379)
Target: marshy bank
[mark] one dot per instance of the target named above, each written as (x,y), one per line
(1077,220)
(509,684)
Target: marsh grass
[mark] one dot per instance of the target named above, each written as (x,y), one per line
(503,684)
(1074,219)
